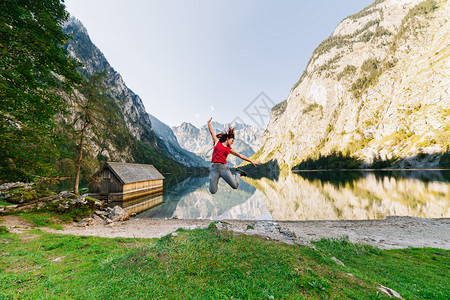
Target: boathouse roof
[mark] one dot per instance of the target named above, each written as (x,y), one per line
(130,173)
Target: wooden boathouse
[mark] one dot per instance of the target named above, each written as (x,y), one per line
(124,181)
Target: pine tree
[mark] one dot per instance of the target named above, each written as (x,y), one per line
(35,71)
(91,106)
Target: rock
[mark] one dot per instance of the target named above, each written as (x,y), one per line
(65,194)
(268,229)
(389,292)
(85,222)
(40,205)
(58,259)
(108,221)
(97,220)
(12,185)
(338,261)
(53,198)
(117,213)
(222,225)
(101,213)
(57,199)
(98,203)
(80,200)
(174,234)
(192,227)
(63,206)
(274,231)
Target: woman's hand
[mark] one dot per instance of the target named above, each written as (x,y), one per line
(255,163)
(211,130)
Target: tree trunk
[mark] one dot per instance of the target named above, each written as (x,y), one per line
(80,156)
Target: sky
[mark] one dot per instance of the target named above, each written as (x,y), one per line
(190,60)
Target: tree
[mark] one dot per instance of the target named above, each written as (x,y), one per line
(35,72)
(90,114)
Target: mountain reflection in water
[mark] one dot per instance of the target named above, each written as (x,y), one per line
(313,195)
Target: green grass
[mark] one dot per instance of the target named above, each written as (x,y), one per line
(3,229)
(5,203)
(40,219)
(211,264)
(416,273)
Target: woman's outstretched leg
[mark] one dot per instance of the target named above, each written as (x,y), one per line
(228,177)
(214,175)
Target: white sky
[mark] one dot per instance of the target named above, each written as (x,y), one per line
(190,60)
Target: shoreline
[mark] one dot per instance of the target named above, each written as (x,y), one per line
(388,233)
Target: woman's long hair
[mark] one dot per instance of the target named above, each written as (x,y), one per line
(223,136)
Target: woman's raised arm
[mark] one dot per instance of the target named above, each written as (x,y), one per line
(211,130)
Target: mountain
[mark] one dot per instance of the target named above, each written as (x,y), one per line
(247,139)
(122,129)
(165,134)
(377,88)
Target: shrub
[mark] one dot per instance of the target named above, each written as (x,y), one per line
(348,70)
(312,107)
(334,160)
(371,72)
(444,162)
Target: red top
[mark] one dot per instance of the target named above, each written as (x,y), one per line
(220,153)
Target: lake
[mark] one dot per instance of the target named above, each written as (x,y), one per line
(310,195)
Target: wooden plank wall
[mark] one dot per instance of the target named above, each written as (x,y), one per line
(107,183)
(142,185)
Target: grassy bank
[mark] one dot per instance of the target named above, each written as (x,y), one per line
(212,264)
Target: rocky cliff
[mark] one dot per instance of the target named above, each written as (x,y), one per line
(378,87)
(171,146)
(247,139)
(121,130)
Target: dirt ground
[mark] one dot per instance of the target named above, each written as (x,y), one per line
(389,233)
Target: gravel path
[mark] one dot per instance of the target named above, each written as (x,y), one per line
(389,233)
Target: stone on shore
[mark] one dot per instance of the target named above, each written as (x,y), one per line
(389,292)
(117,213)
(338,261)
(85,222)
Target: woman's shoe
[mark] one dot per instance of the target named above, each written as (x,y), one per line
(242,172)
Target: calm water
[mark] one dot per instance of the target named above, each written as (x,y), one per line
(311,195)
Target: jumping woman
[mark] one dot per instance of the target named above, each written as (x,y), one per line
(219,168)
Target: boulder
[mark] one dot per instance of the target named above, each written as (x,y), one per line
(80,200)
(52,198)
(268,229)
(338,261)
(85,222)
(389,292)
(274,231)
(98,203)
(108,221)
(117,213)
(12,185)
(63,206)
(65,194)
(97,220)
(101,213)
